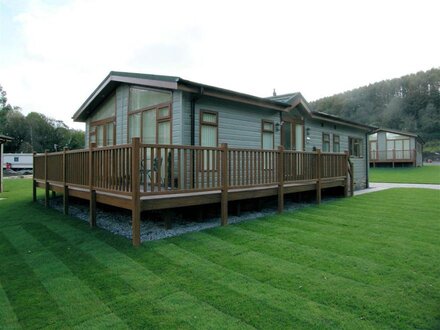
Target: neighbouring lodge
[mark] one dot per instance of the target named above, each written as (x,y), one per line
(160,142)
(391,147)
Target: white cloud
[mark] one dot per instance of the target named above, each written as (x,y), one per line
(317,47)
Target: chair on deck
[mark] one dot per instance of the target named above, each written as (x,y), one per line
(157,163)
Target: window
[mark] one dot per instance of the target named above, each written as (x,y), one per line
(144,98)
(150,116)
(267,136)
(102,132)
(15,159)
(372,137)
(208,129)
(208,136)
(336,145)
(355,147)
(325,142)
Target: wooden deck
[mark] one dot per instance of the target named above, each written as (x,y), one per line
(393,157)
(141,177)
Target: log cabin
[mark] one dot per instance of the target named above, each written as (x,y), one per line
(159,142)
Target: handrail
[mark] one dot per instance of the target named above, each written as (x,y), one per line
(166,169)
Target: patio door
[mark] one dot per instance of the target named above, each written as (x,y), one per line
(292,133)
(292,139)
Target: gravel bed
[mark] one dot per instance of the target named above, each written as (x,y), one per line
(119,221)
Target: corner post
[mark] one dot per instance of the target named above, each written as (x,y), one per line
(65,188)
(135,192)
(280,179)
(347,174)
(34,183)
(46,184)
(92,197)
(318,174)
(225,179)
(352,178)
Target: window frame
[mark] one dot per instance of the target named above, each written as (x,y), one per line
(351,144)
(202,122)
(263,130)
(102,122)
(206,153)
(336,143)
(155,108)
(324,134)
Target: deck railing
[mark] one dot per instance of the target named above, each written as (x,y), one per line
(392,155)
(170,169)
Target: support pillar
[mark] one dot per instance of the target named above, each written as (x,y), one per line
(224,173)
(135,193)
(318,170)
(92,196)
(280,179)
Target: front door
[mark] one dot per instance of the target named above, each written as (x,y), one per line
(293,135)
(292,139)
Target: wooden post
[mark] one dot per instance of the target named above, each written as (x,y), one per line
(167,218)
(135,193)
(46,184)
(34,183)
(65,188)
(347,175)
(318,172)
(92,197)
(394,156)
(224,174)
(352,178)
(280,179)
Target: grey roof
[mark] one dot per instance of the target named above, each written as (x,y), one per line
(283,102)
(398,132)
(285,98)
(114,78)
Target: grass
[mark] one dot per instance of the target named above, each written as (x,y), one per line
(425,174)
(370,261)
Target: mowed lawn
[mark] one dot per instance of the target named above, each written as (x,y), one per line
(371,261)
(424,174)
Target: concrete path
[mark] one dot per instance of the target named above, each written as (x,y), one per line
(378,186)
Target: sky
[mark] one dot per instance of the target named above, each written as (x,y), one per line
(54,53)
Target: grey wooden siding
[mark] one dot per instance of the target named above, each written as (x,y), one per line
(239,125)
(317,128)
(186,119)
(177,118)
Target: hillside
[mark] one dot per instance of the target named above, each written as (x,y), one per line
(410,103)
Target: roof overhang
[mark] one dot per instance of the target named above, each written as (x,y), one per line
(299,100)
(4,139)
(400,133)
(114,79)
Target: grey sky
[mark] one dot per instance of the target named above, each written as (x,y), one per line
(54,53)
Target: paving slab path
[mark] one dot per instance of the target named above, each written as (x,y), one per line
(378,186)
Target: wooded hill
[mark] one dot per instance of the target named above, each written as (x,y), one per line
(410,103)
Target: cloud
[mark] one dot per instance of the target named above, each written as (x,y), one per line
(318,47)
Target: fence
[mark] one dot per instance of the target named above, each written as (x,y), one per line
(392,155)
(166,169)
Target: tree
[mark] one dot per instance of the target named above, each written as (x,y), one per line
(409,103)
(35,132)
